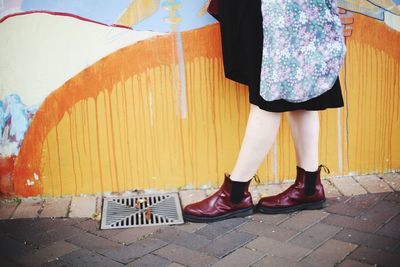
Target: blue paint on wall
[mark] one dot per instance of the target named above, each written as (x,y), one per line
(188,12)
(15,118)
(104,11)
(108,12)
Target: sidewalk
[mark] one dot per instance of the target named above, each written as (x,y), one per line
(359,227)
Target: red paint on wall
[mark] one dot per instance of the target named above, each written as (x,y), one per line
(60,14)
(6,169)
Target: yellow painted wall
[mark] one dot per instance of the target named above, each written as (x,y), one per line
(117,125)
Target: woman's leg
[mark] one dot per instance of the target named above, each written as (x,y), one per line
(307,191)
(304,126)
(233,198)
(262,127)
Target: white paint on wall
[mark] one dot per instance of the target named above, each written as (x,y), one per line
(40,51)
(340,151)
(392,20)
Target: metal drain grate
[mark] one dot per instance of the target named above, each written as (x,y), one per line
(141,210)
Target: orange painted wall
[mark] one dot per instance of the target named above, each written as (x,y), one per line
(117,125)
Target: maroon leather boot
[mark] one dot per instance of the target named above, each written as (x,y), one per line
(219,206)
(295,197)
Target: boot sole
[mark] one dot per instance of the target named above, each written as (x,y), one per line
(305,206)
(234,214)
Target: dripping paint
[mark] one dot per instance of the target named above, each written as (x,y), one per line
(132,96)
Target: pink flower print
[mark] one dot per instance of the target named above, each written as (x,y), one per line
(327,27)
(312,41)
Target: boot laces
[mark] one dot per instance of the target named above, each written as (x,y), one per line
(326,169)
(256,178)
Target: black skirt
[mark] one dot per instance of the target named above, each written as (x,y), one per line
(242,45)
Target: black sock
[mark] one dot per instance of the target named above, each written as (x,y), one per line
(237,192)
(309,183)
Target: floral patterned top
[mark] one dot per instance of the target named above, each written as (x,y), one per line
(303,49)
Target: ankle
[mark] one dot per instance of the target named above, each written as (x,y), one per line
(233,178)
(308,168)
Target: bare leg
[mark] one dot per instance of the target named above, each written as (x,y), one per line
(262,127)
(304,126)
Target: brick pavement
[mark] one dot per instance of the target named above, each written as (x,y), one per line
(360,226)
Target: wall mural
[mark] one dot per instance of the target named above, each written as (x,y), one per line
(112,96)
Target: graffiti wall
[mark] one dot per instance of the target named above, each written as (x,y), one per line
(112,96)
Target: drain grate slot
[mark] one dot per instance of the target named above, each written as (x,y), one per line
(141,210)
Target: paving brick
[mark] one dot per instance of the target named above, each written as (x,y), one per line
(126,254)
(240,257)
(15,225)
(355,205)
(226,244)
(274,261)
(375,257)
(391,229)
(347,186)
(84,257)
(304,219)
(330,253)
(191,196)
(185,256)
(381,212)
(93,227)
(392,178)
(344,209)
(56,263)
(330,189)
(46,224)
(255,193)
(190,227)
(365,201)
(277,248)
(128,236)
(174,264)
(271,219)
(330,201)
(47,254)
(93,242)
(315,235)
(270,190)
(64,226)
(41,239)
(189,240)
(55,207)
(99,204)
(367,239)
(27,209)
(6,210)
(285,185)
(125,236)
(82,207)
(5,261)
(12,248)
(352,223)
(373,183)
(216,229)
(397,250)
(211,191)
(353,263)
(271,231)
(150,260)
(393,197)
